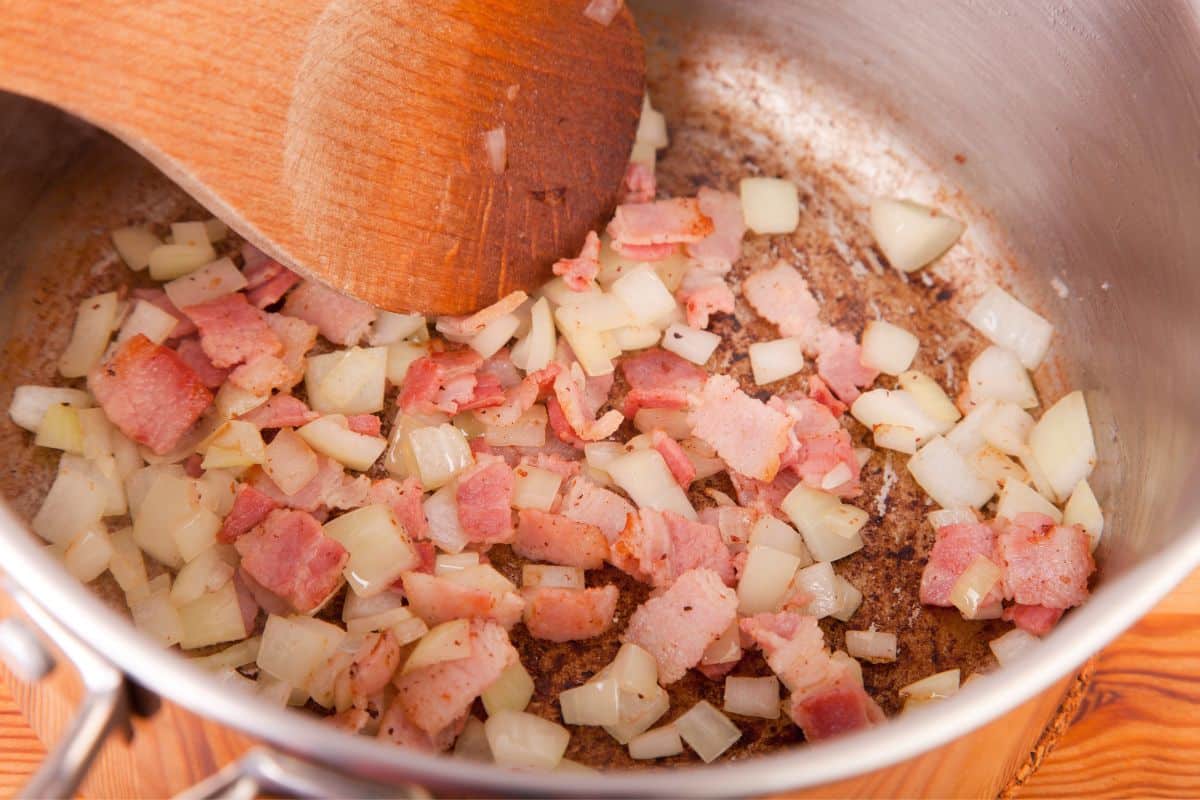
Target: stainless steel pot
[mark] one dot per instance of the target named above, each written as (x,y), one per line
(1075,127)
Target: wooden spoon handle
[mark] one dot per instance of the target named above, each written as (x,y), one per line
(344,137)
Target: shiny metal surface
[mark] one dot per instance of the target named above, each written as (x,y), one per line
(1077,123)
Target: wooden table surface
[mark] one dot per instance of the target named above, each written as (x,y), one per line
(1135,732)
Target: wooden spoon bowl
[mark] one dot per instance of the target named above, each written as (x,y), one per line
(346,138)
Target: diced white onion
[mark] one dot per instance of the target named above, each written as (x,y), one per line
(154,615)
(29,403)
(1007,428)
(236,655)
(849,598)
(293,648)
(990,464)
(820,583)
(400,356)
(149,320)
(536,349)
(672,422)
(76,501)
(596,702)
(216,230)
(652,126)
(551,576)
(770,531)
(765,580)
(934,687)
(348,381)
(1063,445)
(95,321)
(752,697)
(644,294)
(775,360)
(707,731)
(822,522)
(946,477)
(588,344)
(449,641)
(887,347)
(378,546)
(61,430)
(952,516)
(639,710)
(189,250)
(234,444)
(213,618)
(213,280)
(1006,321)
(196,576)
(535,488)
(441,511)
(997,374)
(973,586)
(127,565)
(289,462)
(912,235)
(634,669)
(170,503)
(472,743)
(1008,647)
(89,553)
(930,397)
(658,743)
(390,327)
(725,648)
(690,344)
(1083,510)
(512,691)
(898,409)
(967,436)
(1017,498)
(769,205)
(645,477)
(481,576)
(875,646)
(233,401)
(134,245)
(446,563)
(528,431)
(636,337)
(494,335)
(437,453)
(525,741)
(196,533)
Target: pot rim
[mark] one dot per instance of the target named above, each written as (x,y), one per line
(1115,606)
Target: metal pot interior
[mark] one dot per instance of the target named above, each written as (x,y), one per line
(1064,136)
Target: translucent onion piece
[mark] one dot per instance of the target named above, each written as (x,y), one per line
(294,648)
(236,655)
(658,743)
(1083,510)
(29,403)
(89,553)
(689,343)
(522,740)
(349,381)
(930,397)
(973,586)
(378,546)
(934,687)
(770,531)
(752,697)
(1006,321)
(61,430)
(875,646)
(1063,445)
(213,618)
(707,731)
(644,294)
(1017,498)
(134,245)
(596,702)
(769,205)
(551,576)
(887,347)
(213,280)
(946,477)
(765,580)
(449,641)
(512,691)
(997,374)
(1008,647)
(812,511)
(912,235)
(95,320)
(775,360)
(644,476)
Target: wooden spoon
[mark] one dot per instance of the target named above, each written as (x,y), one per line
(346,137)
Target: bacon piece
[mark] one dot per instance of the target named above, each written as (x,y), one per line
(192,465)
(484,499)
(149,393)
(677,626)
(486,393)
(569,392)
(298,338)
(781,295)
(232,331)
(194,356)
(761,496)
(657,547)
(674,221)
(273,290)
(817,444)
(659,379)
(704,291)
(185,327)
(639,184)
(566,468)
(677,461)
(953,551)
(289,555)
(1037,620)
(262,375)
(1045,564)
(438,695)
(839,363)
(324,489)
(250,508)
(645,252)
(395,727)
(462,327)
(366,424)
(747,435)
(340,319)
(584,501)
(436,599)
(562,429)
(725,242)
(439,382)
(579,274)
(266,279)
(521,397)
(603,11)
(542,536)
(839,706)
(818,391)
(405,501)
(280,411)
(569,615)
(373,664)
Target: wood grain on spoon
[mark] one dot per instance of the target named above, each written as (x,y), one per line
(345,138)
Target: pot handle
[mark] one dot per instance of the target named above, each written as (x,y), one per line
(106,708)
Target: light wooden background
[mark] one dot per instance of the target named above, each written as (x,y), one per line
(1134,733)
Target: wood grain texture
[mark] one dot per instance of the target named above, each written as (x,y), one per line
(1133,732)
(346,137)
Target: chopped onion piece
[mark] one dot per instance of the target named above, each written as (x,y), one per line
(634,669)
(836,477)
(472,743)
(127,565)
(644,294)
(349,381)
(1008,647)
(990,464)
(725,648)
(234,444)
(844,520)
(289,462)
(645,477)
(400,356)
(213,280)
(817,515)
(134,245)
(599,454)
(196,533)
(596,702)
(765,580)
(887,347)
(535,488)
(973,586)
(551,576)
(204,573)
(495,335)
(233,401)
(441,511)
(535,350)
(636,337)
(849,598)
(236,655)
(61,430)
(946,477)
(658,743)
(528,431)
(952,516)
(769,205)
(898,409)
(390,328)
(652,125)
(169,261)
(522,740)
(76,501)
(446,563)
(449,641)
(169,503)
(930,397)
(672,422)
(95,320)
(294,648)
(1062,444)
(154,615)
(437,453)
(1083,510)
(89,553)
(213,618)
(512,691)
(1007,428)
(379,548)
(967,436)
(820,583)
(753,697)
(481,576)
(775,360)
(1017,498)
(588,344)
(770,531)
(997,374)
(495,143)
(875,646)
(912,235)
(707,731)
(934,687)
(639,710)
(1006,321)
(688,343)
(29,403)
(149,320)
